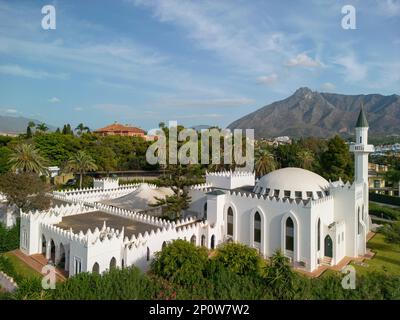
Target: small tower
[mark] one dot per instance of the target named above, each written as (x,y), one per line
(361,149)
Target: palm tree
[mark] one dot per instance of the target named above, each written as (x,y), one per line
(82,128)
(265,162)
(27,159)
(80,163)
(305,159)
(42,127)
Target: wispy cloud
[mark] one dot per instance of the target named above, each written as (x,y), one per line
(19,71)
(328,86)
(352,70)
(54,100)
(268,80)
(303,60)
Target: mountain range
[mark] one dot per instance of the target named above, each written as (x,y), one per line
(321,114)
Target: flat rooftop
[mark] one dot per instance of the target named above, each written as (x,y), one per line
(85,221)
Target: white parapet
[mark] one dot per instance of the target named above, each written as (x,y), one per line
(106,183)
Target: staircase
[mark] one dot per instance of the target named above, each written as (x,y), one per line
(326,261)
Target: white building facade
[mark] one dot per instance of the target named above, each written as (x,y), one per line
(311,220)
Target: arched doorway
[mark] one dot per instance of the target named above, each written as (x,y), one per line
(61,263)
(328,252)
(148,254)
(113,263)
(96,268)
(52,251)
(193,240)
(289,239)
(212,242)
(257,228)
(203,240)
(229,222)
(44,245)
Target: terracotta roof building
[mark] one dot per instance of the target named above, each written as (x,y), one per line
(120,130)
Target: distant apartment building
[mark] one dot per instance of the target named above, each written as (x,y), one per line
(117,129)
(377,182)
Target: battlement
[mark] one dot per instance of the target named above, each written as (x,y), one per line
(230,179)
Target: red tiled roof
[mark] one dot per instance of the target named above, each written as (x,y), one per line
(116,127)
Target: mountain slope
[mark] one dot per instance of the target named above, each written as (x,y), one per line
(16,124)
(311,113)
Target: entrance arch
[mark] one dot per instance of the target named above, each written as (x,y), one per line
(328,248)
(113,263)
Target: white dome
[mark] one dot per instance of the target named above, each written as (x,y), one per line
(292,183)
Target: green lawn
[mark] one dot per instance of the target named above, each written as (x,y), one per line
(22,268)
(386,259)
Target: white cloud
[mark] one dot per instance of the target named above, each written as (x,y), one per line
(389,7)
(9,110)
(78,109)
(303,60)
(352,70)
(16,70)
(54,100)
(328,86)
(268,80)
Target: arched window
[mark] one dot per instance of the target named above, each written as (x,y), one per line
(257,227)
(44,245)
(113,263)
(230,222)
(193,240)
(212,242)
(96,268)
(148,254)
(319,235)
(164,244)
(203,240)
(289,234)
(358,221)
(122,263)
(205,211)
(52,251)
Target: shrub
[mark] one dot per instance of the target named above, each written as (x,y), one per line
(180,262)
(239,258)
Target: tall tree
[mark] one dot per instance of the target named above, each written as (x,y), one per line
(26,158)
(41,127)
(80,163)
(81,128)
(265,162)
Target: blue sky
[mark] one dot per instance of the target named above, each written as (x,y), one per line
(198,62)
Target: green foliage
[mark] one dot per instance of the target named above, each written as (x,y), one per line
(9,237)
(180,262)
(239,258)
(31,289)
(26,158)
(8,268)
(279,277)
(391,232)
(5,154)
(80,163)
(336,161)
(126,284)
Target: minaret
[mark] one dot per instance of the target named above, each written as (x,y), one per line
(361,149)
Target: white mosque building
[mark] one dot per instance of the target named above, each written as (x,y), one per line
(313,221)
